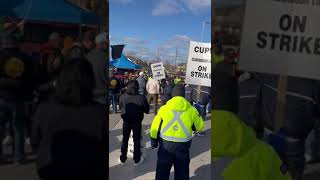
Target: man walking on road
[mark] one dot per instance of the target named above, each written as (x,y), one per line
(172,130)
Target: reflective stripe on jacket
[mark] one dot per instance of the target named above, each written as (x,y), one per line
(239,154)
(176,119)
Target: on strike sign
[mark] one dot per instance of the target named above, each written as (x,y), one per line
(158,71)
(282,37)
(199,64)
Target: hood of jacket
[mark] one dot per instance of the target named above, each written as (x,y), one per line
(230,136)
(178,103)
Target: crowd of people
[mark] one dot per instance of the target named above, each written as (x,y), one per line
(171,129)
(54,103)
(158,92)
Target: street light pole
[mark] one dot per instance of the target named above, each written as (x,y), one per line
(203,25)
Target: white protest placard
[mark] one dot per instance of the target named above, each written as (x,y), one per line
(281,37)
(131,145)
(199,64)
(158,71)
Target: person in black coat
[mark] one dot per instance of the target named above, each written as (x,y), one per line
(133,106)
(16,88)
(166,92)
(69,132)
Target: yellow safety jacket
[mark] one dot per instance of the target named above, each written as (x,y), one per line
(238,155)
(176,119)
(217,58)
(176,81)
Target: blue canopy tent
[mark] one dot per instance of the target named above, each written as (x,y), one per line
(7,6)
(123,63)
(60,11)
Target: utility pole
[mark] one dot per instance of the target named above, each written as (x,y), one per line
(175,59)
(157,55)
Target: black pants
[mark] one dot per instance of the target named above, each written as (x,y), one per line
(153,97)
(136,128)
(179,159)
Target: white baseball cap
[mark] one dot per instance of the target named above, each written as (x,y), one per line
(102,37)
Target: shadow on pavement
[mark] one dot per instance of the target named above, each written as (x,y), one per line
(199,146)
(202,173)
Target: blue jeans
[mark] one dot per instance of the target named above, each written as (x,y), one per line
(209,106)
(201,109)
(15,112)
(113,100)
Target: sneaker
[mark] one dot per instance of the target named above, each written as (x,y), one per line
(120,162)
(7,140)
(194,133)
(28,141)
(201,134)
(138,163)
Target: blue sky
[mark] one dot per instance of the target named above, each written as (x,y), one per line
(151,27)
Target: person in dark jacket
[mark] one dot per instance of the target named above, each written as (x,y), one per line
(188,93)
(114,91)
(249,90)
(142,84)
(98,59)
(16,88)
(201,103)
(166,92)
(69,133)
(133,106)
(301,111)
(51,62)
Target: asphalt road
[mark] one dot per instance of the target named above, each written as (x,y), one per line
(200,154)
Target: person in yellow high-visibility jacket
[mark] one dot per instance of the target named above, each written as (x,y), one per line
(236,152)
(172,130)
(177,80)
(217,56)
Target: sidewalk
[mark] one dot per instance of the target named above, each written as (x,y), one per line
(200,154)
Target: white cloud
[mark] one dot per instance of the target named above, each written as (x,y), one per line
(140,48)
(197,5)
(171,7)
(121,1)
(168,7)
(141,52)
(182,38)
(134,41)
(178,42)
